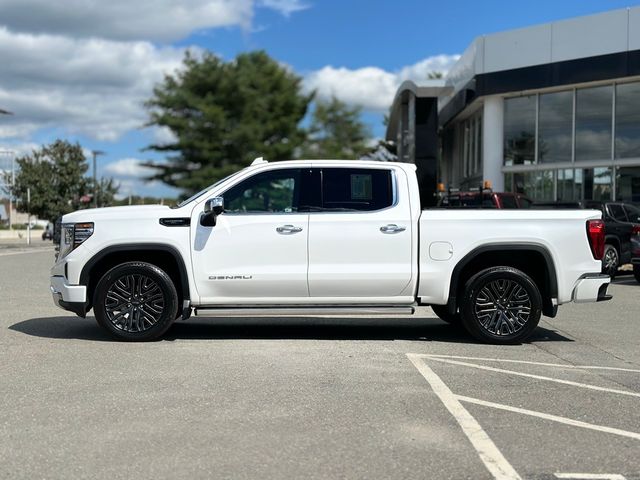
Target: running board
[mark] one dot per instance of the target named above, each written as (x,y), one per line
(315,311)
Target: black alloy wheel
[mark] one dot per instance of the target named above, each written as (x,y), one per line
(135,301)
(610,260)
(501,305)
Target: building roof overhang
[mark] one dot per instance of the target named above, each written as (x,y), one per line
(428,89)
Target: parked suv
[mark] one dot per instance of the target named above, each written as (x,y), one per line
(635,252)
(621,220)
(486,198)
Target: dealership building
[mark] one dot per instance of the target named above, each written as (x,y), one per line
(551,111)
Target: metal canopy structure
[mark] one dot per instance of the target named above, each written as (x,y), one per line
(413,125)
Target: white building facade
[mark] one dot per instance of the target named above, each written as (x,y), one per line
(551,111)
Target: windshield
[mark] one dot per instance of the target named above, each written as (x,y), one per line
(205,190)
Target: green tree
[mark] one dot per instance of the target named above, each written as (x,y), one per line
(55,176)
(336,131)
(223,115)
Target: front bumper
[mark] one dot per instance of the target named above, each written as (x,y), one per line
(69,297)
(592,288)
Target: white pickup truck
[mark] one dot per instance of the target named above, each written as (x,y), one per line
(325,238)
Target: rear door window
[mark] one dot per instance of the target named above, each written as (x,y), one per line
(633,213)
(617,212)
(356,189)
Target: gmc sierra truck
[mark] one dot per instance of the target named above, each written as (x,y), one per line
(325,238)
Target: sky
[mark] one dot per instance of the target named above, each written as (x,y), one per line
(81,70)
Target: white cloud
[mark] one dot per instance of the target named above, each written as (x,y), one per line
(159,20)
(129,168)
(285,7)
(131,176)
(163,135)
(93,87)
(372,87)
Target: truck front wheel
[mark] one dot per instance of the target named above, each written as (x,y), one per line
(501,305)
(135,301)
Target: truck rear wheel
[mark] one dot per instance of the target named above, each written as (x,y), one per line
(442,311)
(501,305)
(135,301)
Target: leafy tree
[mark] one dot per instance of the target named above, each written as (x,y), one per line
(223,115)
(336,131)
(55,175)
(384,151)
(107,190)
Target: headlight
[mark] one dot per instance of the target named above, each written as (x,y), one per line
(72,235)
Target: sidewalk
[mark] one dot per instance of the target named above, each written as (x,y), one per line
(36,243)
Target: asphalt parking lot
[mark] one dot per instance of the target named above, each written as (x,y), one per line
(314,397)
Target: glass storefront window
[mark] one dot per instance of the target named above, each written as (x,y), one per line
(568,189)
(593,123)
(538,185)
(597,183)
(555,127)
(628,184)
(628,120)
(519,130)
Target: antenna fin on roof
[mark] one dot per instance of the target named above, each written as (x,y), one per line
(258,161)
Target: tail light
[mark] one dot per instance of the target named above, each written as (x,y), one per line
(635,230)
(595,233)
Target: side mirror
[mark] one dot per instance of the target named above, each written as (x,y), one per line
(212,208)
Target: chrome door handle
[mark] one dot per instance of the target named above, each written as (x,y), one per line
(392,228)
(288,229)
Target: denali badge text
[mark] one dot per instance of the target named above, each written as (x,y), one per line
(230,277)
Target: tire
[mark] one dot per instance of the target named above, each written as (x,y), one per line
(610,260)
(636,272)
(146,287)
(501,305)
(442,311)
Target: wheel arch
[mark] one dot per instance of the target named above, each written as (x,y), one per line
(164,256)
(528,259)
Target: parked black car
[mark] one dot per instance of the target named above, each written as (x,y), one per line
(621,221)
(635,253)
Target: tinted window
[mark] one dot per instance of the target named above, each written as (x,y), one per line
(519,130)
(593,123)
(276,191)
(555,126)
(627,120)
(525,202)
(617,212)
(509,202)
(350,189)
(633,214)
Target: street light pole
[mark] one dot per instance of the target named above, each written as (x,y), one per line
(95,176)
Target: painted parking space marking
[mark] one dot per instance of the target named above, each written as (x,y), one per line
(553,418)
(531,375)
(491,456)
(591,476)
(528,362)
(489,453)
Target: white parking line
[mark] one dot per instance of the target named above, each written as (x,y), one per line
(554,418)
(526,362)
(489,453)
(591,476)
(537,377)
